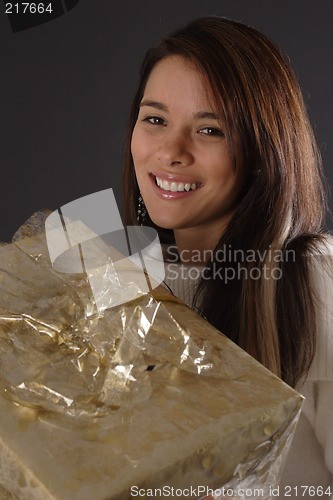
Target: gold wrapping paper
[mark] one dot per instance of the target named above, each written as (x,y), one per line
(142,395)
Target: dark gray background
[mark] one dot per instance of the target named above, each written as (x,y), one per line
(66,87)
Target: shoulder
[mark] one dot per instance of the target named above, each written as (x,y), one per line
(321,274)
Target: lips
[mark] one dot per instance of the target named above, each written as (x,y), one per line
(175,186)
(170,187)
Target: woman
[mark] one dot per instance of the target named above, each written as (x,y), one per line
(222,160)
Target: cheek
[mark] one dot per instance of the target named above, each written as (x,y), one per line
(135,147)
(227,181)
(144,146)
(139,152)
(222,173)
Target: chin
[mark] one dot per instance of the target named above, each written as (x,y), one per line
(163,224)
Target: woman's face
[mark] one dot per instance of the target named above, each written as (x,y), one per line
(183,164)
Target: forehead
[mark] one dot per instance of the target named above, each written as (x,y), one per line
(177,78)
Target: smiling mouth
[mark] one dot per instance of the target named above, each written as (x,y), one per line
(175,186)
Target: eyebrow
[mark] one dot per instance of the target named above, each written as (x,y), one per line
(203,115)
(154,104)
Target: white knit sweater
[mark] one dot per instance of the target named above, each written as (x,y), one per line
(310,461)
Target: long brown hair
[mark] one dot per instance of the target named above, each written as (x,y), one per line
(282,208)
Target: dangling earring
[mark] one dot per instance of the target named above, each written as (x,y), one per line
(142,211)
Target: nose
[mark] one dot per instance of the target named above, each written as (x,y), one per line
(175,150)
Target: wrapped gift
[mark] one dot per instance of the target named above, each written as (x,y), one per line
(138,398)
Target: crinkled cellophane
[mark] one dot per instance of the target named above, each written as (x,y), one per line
(144,394)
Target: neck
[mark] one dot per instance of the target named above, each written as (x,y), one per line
(194,246)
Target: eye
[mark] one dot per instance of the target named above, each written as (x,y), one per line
(155,120)
(211,131)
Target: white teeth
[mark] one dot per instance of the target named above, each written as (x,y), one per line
(174,186)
